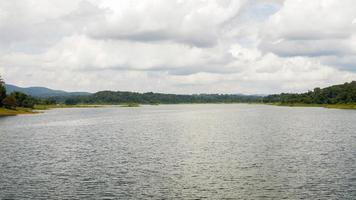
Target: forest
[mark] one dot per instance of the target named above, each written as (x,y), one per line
(15,101)
(110,97)
(336,94)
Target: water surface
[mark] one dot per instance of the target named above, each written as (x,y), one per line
(180,151)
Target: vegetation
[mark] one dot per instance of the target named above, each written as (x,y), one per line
(9,102)
(17,102)
(2,91)
(337,96)
(114,98)
(51,106)
(131,105)
(341,106)
(22,100)
(15,111)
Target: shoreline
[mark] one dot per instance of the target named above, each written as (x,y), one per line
(4,112)
(48,107)
(329,106)
(37,108)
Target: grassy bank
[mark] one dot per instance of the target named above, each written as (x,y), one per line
(47,107)
(341,106)
(19,111)
(131,105)
(334,106)
(15,111)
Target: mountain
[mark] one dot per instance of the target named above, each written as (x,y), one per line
(42,91)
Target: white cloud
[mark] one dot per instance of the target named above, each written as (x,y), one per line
(229,46)
(197,23)
(311,28)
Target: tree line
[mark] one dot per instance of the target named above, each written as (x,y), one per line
(19,99)
(336,94)
(110,97)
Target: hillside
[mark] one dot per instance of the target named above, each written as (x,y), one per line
(41,91)
(336,94)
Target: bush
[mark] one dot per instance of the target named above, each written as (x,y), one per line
(9,102)
(2,91)
(23,100)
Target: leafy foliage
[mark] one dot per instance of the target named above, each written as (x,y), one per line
(110,97)
(2,91)
(337,94)
(23,100)
(9,102)
(19,99)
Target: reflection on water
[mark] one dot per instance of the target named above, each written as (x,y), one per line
(180,151)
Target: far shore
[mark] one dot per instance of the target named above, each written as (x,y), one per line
(37,108)
(47,107)
(331,106)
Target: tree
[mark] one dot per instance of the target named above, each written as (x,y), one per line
(23,100)
(336,94)
(9,102)
(71,101)
(2,91)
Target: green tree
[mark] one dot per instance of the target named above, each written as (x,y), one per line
(9,102)
(2,90)
(336,94)
(23,100)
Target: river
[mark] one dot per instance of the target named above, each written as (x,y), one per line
(222,151)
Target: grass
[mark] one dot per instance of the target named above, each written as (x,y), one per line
(341,106)
(46,107)
(334,106)
(131,105)
(20,111)
(15,111)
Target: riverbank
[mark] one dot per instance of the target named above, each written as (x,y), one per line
(23,111)
(16,111)
(47,107)
(331,106)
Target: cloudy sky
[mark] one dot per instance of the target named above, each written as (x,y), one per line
(178,46)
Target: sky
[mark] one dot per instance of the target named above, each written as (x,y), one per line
(178,46)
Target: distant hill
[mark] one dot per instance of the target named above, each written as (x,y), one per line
(42,91)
